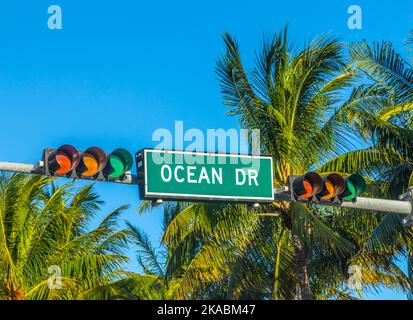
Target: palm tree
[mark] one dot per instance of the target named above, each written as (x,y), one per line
(154,282)
(44,229)
(388,70)
(151,284)
(314,113)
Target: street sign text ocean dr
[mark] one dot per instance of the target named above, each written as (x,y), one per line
(181,175)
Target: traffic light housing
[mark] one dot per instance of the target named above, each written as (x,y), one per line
(331,187)
(93,163)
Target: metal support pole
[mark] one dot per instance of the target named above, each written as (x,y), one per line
(382,205)
(17,167)
(404,207)
(37,168)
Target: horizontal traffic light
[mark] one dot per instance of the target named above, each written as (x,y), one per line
(93,163)
(330,187)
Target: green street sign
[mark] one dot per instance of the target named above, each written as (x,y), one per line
(183,175)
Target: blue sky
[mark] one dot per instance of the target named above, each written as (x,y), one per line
(118,70)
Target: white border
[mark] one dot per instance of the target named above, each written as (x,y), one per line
(203,196)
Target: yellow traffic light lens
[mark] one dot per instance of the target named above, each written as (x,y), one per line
(334,185)
(91,164)
(330,190)
(93,161)
(64,162)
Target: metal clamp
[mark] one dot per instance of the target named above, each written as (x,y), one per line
(408,196)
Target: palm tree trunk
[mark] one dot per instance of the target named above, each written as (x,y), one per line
(275,289)
(302,271)
(232,283)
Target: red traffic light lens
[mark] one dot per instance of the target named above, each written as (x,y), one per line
(308,189)
(65,159)
(64,162)
(307,185)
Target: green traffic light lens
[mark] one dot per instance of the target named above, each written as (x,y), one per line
(359,183)
(120,161)
(118,167)
(356,186)
(352,190)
